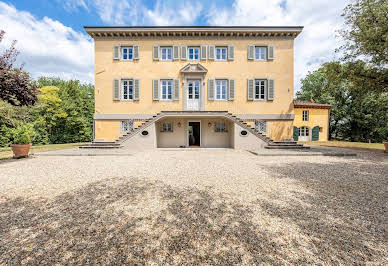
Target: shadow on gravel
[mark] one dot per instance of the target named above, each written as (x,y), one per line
(347,211)
(83,227)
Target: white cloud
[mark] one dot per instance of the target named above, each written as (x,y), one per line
(47,47)
(321,19)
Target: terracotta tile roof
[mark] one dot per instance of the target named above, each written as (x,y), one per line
(299,104)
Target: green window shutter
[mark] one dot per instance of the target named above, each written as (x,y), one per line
(211,52)
(136,91)
(116,89)
(230,52)
(184,52)
(136,52)
(176,89)
(271,52)
(270,89)
(203,52)
(116,52)
(231,88)
(250,89)
(210,89)
(155,89)
(175,52)
(296,133)
(251,52)
(315,133)
(156,52)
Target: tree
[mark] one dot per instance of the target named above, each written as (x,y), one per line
(358,114)
(367,31)
(16,86)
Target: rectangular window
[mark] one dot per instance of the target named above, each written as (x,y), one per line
(166,89)
(127,89)
(261,126)
(167,127)
(221,127)
(193,53)
(125,126)
(305,115)
(127,53)
(260,89)
(221,53)
(260,53)
(221,86)
(166,53)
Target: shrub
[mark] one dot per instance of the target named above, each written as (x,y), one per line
(23,134)
(5,136)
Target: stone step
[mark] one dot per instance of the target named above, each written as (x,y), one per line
(285,147)
(101,147)
(285,144)
(288,142)
(102,144)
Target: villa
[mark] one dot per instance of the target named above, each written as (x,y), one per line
(202,86)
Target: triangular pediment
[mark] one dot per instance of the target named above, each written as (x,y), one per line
(193,68)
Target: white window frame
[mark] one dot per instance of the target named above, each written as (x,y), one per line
(122,89)
(305,115)
(220,127)
(260,124)
(166,48)
(265,90)
(130,48)
(265,53)
(165,83)
(221,48)
(167,127)
(194,49)
(122,122)
(218,81)
(304,131)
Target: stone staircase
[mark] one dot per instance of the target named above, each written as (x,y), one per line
(270,143)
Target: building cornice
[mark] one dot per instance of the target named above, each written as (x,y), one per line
(198,31)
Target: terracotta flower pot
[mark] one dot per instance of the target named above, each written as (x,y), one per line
(20,150)
(386,146)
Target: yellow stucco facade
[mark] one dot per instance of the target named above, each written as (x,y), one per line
(277,112)
(316,117)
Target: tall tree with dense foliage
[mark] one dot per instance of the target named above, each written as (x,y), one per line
(16,86)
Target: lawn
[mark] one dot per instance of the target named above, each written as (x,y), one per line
(6,153)
(346,144)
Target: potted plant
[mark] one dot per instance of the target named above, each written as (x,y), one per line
(22,140)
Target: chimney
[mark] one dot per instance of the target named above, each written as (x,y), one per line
(312,100)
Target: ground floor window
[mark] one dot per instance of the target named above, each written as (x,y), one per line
(125,126)
(261,126)
(167,127)
(221,127)
(304,132)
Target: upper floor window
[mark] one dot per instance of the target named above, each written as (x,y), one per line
(193,53)
(260,89)
(127,53)
(221,86)
(166,89)
(127,89)
(221,53)
(166,53)
(305,115)
(221,127)
(260,53)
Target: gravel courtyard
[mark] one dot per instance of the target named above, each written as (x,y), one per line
(194,207)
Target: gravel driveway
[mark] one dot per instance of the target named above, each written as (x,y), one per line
(194,207)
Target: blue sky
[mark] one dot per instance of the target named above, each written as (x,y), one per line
(52,40)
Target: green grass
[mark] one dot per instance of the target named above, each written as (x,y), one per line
(346,144)
(6,153)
